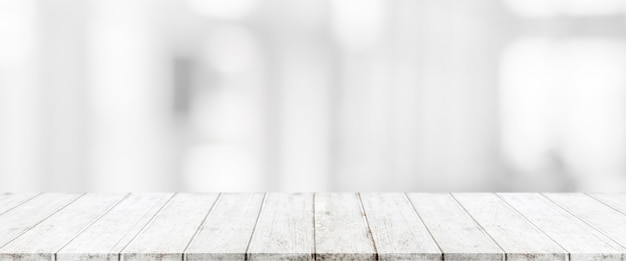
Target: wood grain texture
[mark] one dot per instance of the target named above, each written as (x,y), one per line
(27,215)
(45,239)
(169,233)
(9,201)
(455,231)
(106,238)
(285,229)
(306,226)
(226,232)
(518,238)
(397,230)
(615,201)
(593,212)
(341,231)
(579,239)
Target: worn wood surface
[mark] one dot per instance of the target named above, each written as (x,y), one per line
(397,229)
(313,226)
(588,244)
(20,219)
(594,213)
(519,239)
(341,230)
(615,201)
(225,233)
(285,229)
(166,237)
(50,235)
(10,201)
(106,238)
(459,237)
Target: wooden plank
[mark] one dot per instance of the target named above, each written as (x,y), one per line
(616,201)
(106,238)
(169,233)
(602,217)
(226,232)
(328,226)
(459,237)
(580,240)
(285,229)
(341,231)
(27,215)
(397,230)
(9,201)
(518,238)
(44,240)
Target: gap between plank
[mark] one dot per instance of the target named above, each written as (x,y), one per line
(604,203)
(246,254)
(120,254)
(89,225)
(314,235)
(195,234)
(584,221)
(19,204)
(569,256)
(44,219)
(424,224)
(505,256)
(367,224)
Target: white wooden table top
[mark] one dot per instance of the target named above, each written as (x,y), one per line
(306,226)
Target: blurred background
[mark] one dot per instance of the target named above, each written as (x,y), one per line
(313,95)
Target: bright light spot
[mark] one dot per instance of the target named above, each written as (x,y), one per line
(17,36)
(231,49)
(526,114)
(358,24)
(565,99)
(220,168)
(125,96)
(222,9)
(20,98)
(544,8)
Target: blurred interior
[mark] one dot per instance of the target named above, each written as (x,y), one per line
(313,95)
